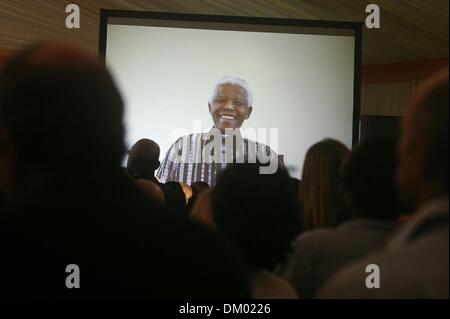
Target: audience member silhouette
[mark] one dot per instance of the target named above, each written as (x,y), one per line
(415,262)
(177,201)
(320,204)
(61,135)
(259,213)
(368,186)
(142,162)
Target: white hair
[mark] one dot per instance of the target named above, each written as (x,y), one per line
(232,80)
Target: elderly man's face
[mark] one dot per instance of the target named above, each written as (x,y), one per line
(229,108)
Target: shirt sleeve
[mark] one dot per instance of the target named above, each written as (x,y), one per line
(170,166)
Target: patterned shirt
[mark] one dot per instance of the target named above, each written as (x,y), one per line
(202,156)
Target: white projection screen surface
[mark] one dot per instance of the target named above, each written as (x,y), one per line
(302,79)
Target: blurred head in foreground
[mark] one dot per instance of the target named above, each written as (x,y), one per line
(423,152)
(368,180)
(258,212)
(59,112)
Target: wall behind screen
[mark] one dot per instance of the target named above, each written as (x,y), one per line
(302,84)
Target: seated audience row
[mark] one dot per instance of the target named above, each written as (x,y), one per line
(415,261)
(66,200)
(371,204)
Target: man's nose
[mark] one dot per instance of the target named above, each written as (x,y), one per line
(229,105)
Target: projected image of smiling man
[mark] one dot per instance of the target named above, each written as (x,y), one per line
(230,104)
(201,157)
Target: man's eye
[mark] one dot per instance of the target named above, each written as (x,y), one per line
(239,103)
(220,101)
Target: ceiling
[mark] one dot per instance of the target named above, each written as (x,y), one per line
(411,30)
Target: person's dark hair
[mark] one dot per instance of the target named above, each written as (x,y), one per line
(54,107)
(368,176)
(143,158)
(320,204)
(258,212)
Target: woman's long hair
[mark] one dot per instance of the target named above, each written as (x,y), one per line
(319,192)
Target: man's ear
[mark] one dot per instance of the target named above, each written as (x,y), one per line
(209,108)
(249,111)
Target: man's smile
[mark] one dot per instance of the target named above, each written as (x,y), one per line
(227,116)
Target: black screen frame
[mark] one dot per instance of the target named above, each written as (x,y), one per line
(356,27)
